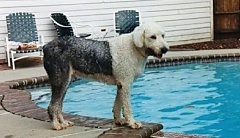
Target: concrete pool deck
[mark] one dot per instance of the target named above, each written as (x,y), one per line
(15,126)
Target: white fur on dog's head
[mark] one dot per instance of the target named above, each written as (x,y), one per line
(150,37)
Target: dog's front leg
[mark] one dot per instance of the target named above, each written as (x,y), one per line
(122,101)
(118,106)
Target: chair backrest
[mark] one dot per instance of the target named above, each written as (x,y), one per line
(62,24)
(21,27)
(126,21)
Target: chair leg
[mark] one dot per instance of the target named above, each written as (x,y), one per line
(41,55)
(8,59)
(13,61)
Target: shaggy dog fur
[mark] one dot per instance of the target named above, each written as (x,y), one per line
(118,61)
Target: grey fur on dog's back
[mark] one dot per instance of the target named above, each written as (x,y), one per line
(87,56)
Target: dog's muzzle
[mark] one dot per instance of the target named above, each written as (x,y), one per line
(151,52)
(164,50)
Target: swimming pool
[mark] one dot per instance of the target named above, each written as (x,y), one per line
(193,99)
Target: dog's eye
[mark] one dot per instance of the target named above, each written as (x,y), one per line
(163,35)
(153,37)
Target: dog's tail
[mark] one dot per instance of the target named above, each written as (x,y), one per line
(56,46)
(47,49)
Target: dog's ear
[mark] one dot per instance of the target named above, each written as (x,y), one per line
(138,36)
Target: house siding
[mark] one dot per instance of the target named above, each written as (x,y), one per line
(185,21)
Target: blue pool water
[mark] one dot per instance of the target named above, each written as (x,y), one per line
(194,98)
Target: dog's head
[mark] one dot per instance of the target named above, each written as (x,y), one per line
(149,37)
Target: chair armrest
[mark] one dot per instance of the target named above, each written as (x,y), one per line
(83,35)
(59,23)
(10,45)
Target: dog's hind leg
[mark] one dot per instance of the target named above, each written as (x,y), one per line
(55,110)
(59,83)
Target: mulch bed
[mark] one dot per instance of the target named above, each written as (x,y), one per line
(231,43)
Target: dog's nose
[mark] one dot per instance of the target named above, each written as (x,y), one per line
(164,50)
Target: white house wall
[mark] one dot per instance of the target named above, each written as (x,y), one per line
(185,21)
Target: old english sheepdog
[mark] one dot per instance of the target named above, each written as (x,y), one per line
(118,61)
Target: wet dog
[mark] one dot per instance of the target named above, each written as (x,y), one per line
(118,61)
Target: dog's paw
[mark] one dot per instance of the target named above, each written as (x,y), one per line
(120,121)
(132,124)
(57,126)
(66,124)
(61,126)
(135,124)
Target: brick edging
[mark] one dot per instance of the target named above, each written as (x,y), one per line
(173,61)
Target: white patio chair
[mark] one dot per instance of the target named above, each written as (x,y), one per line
(22,30)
